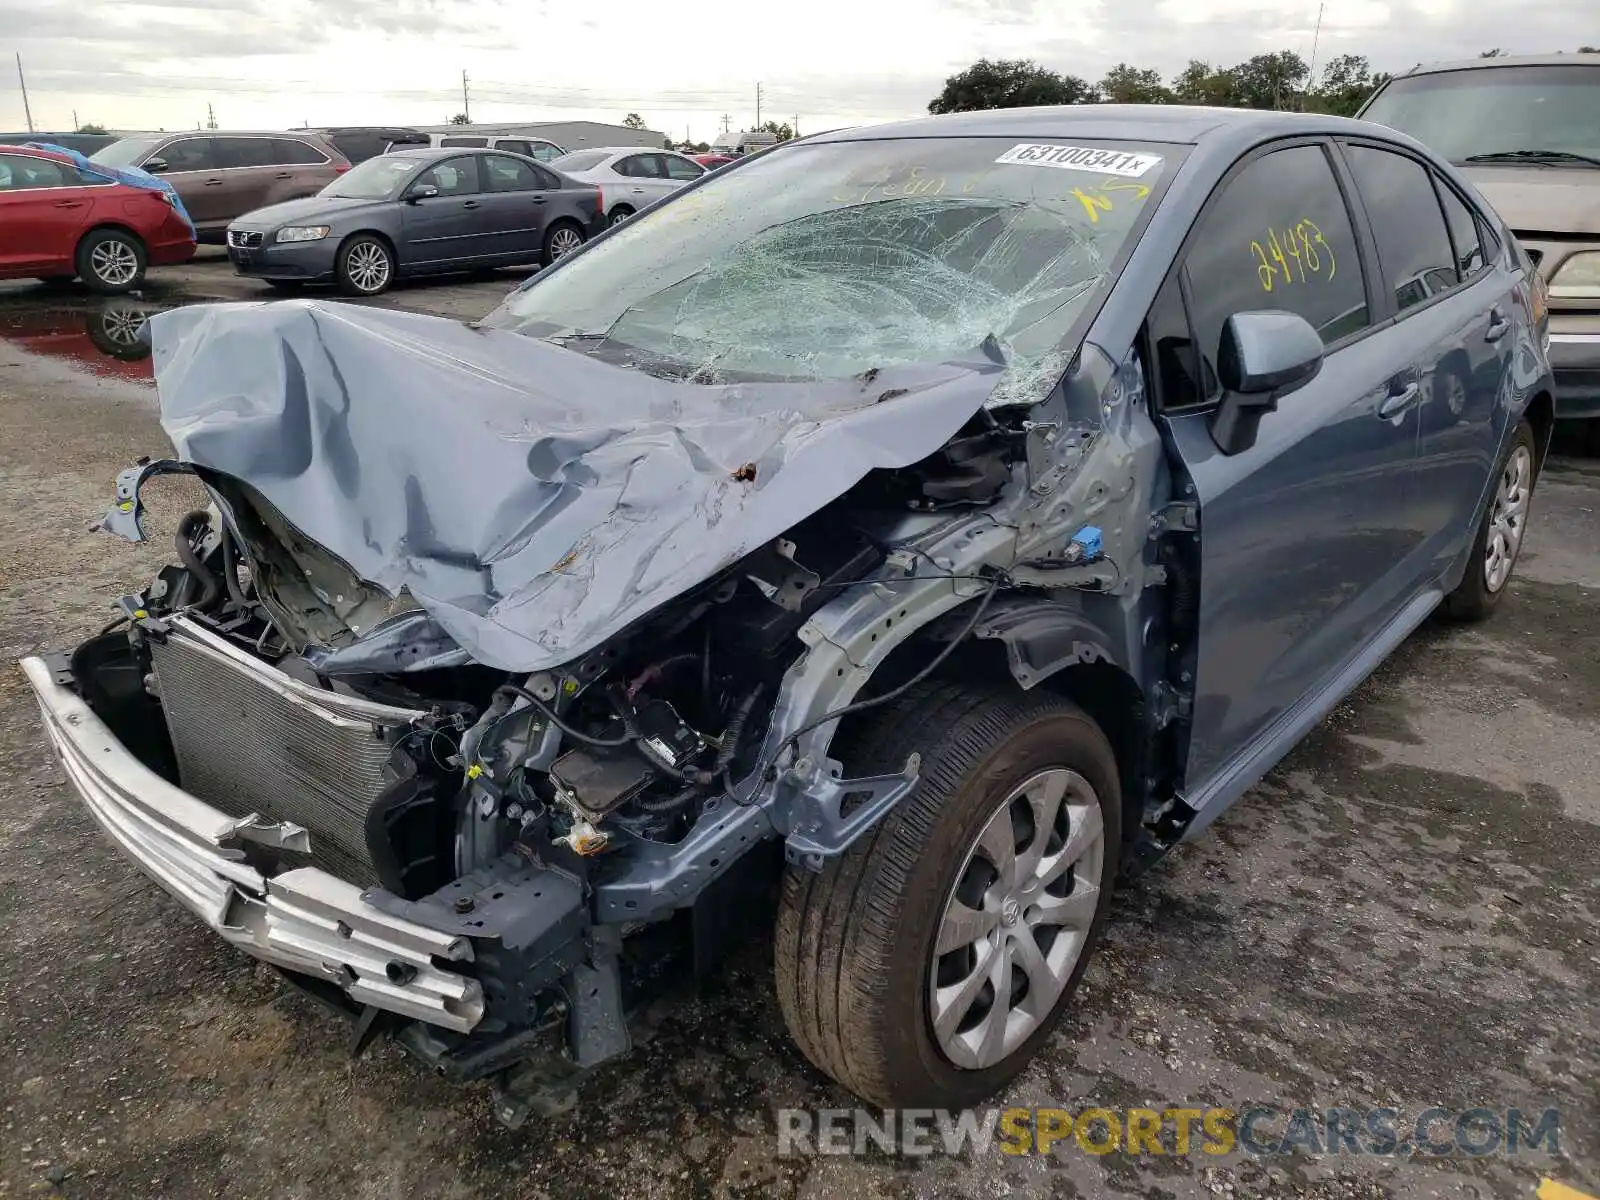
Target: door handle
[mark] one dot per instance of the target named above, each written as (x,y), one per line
(284,175)
(537,199)
(1498,326)
(213,183)
(469,204)
(69,203)
(638,191)
(1396,403)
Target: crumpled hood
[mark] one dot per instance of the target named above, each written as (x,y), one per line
(533,500)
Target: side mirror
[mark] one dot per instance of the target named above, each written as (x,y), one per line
(156,165)
(1264,356)
(422,191)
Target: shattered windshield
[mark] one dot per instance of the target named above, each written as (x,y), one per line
(828,260)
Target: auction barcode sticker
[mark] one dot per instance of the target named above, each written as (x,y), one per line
(1079,158)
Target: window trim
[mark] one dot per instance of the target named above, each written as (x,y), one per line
(322,157)
(1366,249)
(1393,313)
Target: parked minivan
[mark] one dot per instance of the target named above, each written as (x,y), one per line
(220,176)
(514,143)
(1526,132)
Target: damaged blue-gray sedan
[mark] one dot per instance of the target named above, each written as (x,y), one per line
(883,546)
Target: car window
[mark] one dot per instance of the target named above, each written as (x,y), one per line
(1465,238)
(1278,236)
(453,177)
(1170,358)
(243,152)
(547,179)
(477,142)
(357,147)
(1407,220)
(547,151)
(188,154)
(515,145)
(505,174)
(20,171)
(580,160)
(292,152)
(682,168)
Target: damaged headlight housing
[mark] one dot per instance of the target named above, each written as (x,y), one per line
(301,233)
(1578,278)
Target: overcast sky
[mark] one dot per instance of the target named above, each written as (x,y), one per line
(682,64)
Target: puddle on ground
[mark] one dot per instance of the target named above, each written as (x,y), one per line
(106,338)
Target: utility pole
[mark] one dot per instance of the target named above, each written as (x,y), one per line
(758,104)
(466,100)
(1311,72)
(726,119)
(28,112)
(211,116)
(75,125)
(795,128)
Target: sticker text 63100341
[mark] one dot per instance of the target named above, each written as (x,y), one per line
(1298,254)
(1079,158)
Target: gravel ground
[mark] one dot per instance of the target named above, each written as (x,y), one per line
(1403,914)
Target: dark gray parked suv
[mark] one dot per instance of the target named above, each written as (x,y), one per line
(221,175)
(1526,132)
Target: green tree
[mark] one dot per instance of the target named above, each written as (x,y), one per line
(92,128)
(1270,81)
(1589,49)
(461,119)
(1125,84)
(1347,80)
(782,132)
(633,121)
(1201,83)
(1008,83)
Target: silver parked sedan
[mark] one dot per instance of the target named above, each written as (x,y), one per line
(630,177)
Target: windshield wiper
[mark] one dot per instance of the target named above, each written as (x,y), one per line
(1534,156)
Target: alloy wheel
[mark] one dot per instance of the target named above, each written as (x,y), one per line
(114,262)
(1017,919)
(1508,518)
(564,241)
(367,264)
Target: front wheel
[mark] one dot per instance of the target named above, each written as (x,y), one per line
(1500,535)
(366,266)
(619,214)
(927,964)
(111,261)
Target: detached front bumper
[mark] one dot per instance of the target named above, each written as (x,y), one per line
(303,920)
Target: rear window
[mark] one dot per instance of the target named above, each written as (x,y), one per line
(580,160)
(1495,110)
(126,152)
(475,142)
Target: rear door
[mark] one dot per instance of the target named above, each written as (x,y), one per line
(44,208)
(300,168)
(447,228)
(249,173)
(1309,539)
(515,205)
(1458,313)
(646,176)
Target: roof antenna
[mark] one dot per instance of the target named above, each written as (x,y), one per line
(1311,71)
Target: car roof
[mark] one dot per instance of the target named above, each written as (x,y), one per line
(433,152)
(35,152)
(621,150)
(1178,123)
(1504,60)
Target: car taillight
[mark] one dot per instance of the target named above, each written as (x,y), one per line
(340,168)
(600,199)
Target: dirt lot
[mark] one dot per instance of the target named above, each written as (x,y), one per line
(1404,914)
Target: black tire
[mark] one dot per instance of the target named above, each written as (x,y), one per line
(285,285)
(854,943)
(619,214)
(349,269)
(111,261)
(558,241)
(1475,598)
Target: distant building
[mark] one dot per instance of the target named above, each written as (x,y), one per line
(569,135)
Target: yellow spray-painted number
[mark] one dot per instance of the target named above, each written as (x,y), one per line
(913,182)
(1102,198)
(1298,254)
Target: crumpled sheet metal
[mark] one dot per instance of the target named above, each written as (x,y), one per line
(533,500)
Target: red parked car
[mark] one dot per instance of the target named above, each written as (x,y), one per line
(58,221)
(712,161)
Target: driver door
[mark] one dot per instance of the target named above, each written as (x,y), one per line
(1310,541)
(448,227)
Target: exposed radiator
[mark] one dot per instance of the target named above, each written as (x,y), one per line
(250,739)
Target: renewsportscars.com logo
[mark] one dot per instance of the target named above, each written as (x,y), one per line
(1260,1130)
